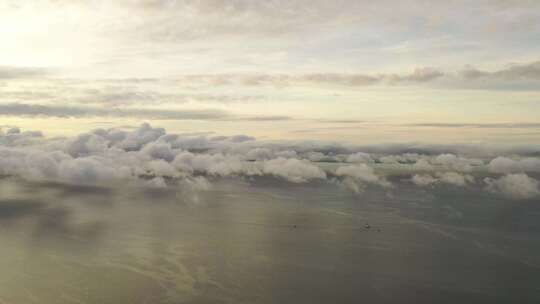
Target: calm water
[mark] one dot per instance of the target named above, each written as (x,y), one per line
(264,242)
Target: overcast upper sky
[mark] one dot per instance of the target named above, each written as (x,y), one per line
(344,70)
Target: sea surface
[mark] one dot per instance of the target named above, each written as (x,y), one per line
(265,241)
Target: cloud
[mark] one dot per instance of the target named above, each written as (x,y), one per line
(268,118)
(453,162)
(159,150)
(527,71)
(419,75)
(122,96)
(22,109)
(159,32)
(85,145)
(405,158)
(43,166)
(133,140)
(240,138)
(293,170)
(90,170)
(259,154)
(58,166)
(149,156)
(98,157)
(524,76)
(161,168)
(455,178)
(157,182)
(356,176)
(441,162)
(517,76)
(507,165)
(423,165)
(13,136)
(213,164)
(451,178)
(360,171)
(315,156)
(359,157)
(424,74)
(514,186)
(423,179)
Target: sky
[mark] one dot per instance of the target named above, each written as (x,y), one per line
(229,123)
(165,92)
(348,71)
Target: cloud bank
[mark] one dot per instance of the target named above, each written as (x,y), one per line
(149,156)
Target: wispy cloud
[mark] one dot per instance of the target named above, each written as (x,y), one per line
(528,71)
(22,109)
(520,125)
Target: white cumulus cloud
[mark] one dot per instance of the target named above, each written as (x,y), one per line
(515,186)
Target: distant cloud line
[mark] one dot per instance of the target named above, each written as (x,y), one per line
(22,109)
(32,110)
(468,77)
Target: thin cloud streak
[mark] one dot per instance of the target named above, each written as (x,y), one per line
(31,110)
(523,125)
(21,109)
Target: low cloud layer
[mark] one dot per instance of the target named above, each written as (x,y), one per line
(150,156)
(451,178)
(508,165)
(515,186)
